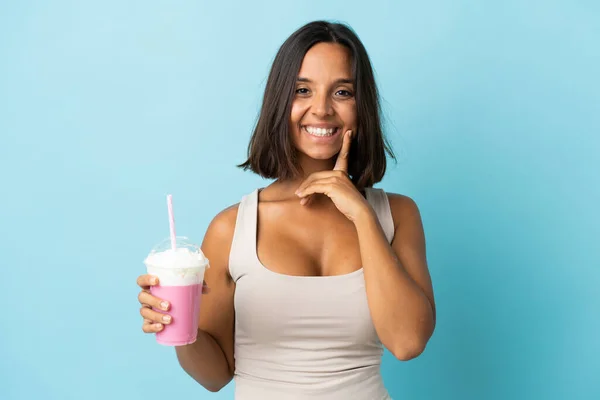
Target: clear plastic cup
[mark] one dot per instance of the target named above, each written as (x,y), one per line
(181,274)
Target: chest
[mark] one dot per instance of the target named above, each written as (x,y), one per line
(305,241)
(310,313)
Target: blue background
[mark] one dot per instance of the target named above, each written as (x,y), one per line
(493,109)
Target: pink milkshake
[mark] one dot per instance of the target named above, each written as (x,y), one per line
(180,271)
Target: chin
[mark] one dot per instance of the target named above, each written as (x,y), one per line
(319,155)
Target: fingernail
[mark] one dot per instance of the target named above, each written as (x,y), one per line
(158,326)
(166,318)
(349,133)
(153,281)
(164,305)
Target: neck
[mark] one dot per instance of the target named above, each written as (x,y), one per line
(308,166)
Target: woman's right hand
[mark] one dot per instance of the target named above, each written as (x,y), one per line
(154,321)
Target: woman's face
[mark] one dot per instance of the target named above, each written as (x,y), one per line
(324,107)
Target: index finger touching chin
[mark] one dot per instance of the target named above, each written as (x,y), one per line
(341,163)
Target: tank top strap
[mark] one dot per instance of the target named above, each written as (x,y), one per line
(243,246)
(378,199)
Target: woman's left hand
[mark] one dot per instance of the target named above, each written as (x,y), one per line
(337,185)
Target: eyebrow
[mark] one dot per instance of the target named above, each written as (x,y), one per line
(337,81)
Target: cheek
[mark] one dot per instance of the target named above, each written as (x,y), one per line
(296,116)
(298,111)
(348,115)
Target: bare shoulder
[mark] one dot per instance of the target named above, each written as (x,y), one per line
(404,208)
(219,235)
(222,225)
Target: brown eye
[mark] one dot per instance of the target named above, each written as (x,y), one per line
(301,91)
(344,93)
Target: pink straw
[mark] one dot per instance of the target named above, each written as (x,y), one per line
(171,221)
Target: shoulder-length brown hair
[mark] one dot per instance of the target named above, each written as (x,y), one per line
(271,152)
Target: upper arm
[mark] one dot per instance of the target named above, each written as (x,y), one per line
(217,311)
(409,243)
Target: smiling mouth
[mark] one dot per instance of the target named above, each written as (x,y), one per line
(320,132)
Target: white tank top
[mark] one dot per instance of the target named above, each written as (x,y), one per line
(302,337)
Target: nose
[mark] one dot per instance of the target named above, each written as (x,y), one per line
(321,106)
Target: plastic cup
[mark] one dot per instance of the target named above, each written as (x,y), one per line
(181,273)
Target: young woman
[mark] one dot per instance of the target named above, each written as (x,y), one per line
(311,276)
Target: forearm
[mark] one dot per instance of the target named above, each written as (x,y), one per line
(205,361)
(402,314)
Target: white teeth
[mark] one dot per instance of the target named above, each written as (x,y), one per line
(320,131)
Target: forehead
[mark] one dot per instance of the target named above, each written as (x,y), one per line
(326,61)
